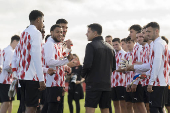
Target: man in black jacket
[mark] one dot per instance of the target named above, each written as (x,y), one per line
(99,62)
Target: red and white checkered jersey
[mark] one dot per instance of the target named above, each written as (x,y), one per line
(136,52)
(150,49)
(128,75)
(144,58)
(169,65)
(118,78)
(1,58)
(64,49)
(145,67)
(28,51)
(45,68)
(55,59)
(136,58)
(6,75)
(148,65)
(169,56)
(159,63)
(144,54)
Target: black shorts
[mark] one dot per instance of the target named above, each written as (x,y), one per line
(128,96)
(42,97)
(4,88)
(145,94)
(18,93)
(54,94)
(75,91)
(157,97)
(31,92)
(167,97)
(93,98)
(138,95)
(118,93)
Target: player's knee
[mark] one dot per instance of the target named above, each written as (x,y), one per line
(122,103)
(6,104)
(129,105)
(116,104)
(30,109)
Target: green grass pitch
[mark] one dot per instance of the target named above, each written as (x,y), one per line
(66,108)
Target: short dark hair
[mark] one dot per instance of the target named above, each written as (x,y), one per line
(76,56)
(144,27)
(59,21)
(96,27)
(140,31)
(153,25)
(129,39)
(116,39)
(47,37)
(124,39)
(135,27)
(108,36)
(35,14)
(165,39)
(54,26)
(15,37)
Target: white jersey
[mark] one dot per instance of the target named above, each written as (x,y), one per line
(129,74)
(118,78)
(150,49)
(27,58)
(144,58)
(136,58)
(144,54)
(169,66)
(136,52)
(54,59)
(159,63)
(145,67)
(1,58)
(6,75)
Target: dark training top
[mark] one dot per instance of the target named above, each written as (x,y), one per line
(99,63)
(77,72)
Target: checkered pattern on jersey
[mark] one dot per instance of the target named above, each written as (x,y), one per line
(24,48)
(165,58)
(128,75)
(118,78)
(43,63)
(0,53)
(165,64)
(135,53)
(169,57)
(61,47)
(135,56)
(144,57)
(58,79)
(8,77)
(144,54)
(17,54)
(1,58)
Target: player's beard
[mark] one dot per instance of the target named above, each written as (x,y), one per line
(55,39)
(145,39)
(64,33)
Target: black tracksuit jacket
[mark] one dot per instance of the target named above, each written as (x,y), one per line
(99,63)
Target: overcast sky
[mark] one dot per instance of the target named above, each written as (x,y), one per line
(116,16)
